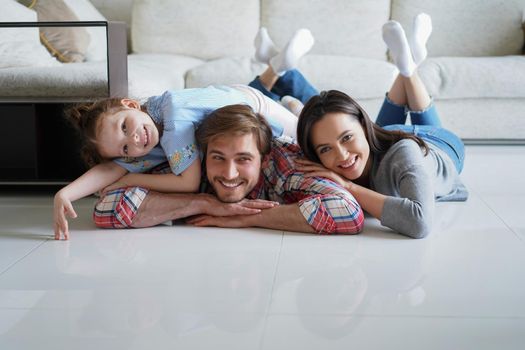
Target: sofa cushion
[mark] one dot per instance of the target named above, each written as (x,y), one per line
(340,27)
(474,77)
(204,29)
(362,78)
(467,27)
(488,118)
(72,81)
(152,74)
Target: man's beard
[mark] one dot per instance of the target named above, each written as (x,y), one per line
(230,196)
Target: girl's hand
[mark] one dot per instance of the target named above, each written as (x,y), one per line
(62,207)
(312,169)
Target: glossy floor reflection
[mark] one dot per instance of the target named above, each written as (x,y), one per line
(180,287)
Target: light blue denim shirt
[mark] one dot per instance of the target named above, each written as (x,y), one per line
(180,112)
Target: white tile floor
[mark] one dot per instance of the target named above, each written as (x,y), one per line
(181,287)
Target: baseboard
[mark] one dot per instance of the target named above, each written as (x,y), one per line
(495,142)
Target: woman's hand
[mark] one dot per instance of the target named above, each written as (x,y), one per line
(312,169)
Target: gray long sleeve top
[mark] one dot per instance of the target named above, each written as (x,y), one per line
(412,183)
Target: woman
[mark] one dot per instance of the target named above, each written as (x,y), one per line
(395,171)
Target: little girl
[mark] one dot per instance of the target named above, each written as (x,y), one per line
(124,139)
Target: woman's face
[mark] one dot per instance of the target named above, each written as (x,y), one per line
(340,143)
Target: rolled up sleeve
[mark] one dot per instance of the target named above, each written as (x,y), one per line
(327,207)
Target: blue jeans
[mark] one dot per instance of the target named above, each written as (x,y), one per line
(426,125)
(292,83)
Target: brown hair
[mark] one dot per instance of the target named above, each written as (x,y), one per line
(85,118)
(234,120)
(333,101)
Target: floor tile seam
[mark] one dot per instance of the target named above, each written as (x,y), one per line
(520,238)
(22,257)
(68,308)
(263,333)
(366,315)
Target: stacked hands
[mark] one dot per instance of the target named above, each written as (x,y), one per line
(215,212)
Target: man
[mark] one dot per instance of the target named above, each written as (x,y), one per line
(246,170)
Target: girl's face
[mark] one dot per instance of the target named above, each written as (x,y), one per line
(128,132)
(340,143)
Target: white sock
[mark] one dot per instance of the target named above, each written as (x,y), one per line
(298,46)
(292,104)
(422,28)
(264,46)
(396,40)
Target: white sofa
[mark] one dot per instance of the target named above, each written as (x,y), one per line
(475,70)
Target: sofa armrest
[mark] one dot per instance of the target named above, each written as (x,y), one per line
(117,59)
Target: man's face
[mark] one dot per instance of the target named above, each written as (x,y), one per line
(233,166)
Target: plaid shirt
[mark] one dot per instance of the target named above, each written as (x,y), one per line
(326,206)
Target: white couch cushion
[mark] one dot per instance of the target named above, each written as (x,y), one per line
(489,118)
(362,78)
(204,29)
(340,27)
(152,74)
(71,81)
(467,27)
(474,77)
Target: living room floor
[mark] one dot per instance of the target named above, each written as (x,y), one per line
(181,287)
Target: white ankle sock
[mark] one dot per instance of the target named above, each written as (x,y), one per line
(292,104)
(422,28)
(395,38)
(264,46)
(301,42)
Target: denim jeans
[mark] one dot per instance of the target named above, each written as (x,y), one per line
(292,83)
(425,124)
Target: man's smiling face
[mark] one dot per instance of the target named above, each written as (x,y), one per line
(233,166)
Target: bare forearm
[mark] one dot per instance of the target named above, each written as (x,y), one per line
(166,183)
(284,217)
(371,201)
(187,181)
(92,181)
(161,207)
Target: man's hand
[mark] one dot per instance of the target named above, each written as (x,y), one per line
(214,207)
(62,207)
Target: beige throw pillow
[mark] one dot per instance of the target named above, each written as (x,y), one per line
(67,44)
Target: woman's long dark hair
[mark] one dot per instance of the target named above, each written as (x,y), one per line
(333,101)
